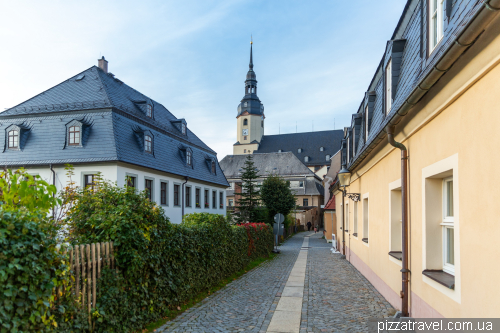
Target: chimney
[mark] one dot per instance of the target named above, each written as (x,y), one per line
(103,64)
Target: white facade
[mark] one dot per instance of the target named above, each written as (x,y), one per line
(117,172)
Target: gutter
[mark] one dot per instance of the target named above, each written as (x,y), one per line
(466,38)
(404,212)
(183,195)
(53,183)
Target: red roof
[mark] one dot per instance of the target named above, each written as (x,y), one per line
(330,205)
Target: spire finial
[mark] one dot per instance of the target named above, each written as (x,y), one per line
(251,44)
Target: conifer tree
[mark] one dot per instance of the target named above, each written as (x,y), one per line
(248,203)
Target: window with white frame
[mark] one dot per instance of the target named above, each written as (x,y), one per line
(74,135)
(13,139)
(448,227)
(365,220)
(188,157)
(435,23)
(327,157)
(149,110)
(183,129)
(148,144)
(388,87)
(321,148)
(355,215)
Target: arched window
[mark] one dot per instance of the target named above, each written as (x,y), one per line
(188,157)
(279,151)
(148,144)
(245,122)
(321,148)
(299,150)
(14,139)
(246,104)
(213,167)
(74,135)
(327,157)
(244,138)
(306,159)
(149,110)
(183,129)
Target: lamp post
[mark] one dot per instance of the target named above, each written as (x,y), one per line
(345,179)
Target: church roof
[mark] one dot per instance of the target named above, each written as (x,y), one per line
(309,143)
(283,164)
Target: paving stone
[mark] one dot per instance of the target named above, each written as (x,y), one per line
(336,297)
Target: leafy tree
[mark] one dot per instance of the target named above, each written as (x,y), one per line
(21,191)
(250,194)
(277,196)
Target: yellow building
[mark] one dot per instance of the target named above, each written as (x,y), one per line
(436,92)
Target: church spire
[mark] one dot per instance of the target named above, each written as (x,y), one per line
(251,61)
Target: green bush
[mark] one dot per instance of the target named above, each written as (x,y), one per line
(161,265)
(31,266)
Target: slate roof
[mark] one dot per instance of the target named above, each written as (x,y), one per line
(309,142)
(111,109)
(287,165)
(283,164)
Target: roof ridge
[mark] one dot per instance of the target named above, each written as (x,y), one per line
(304,132)
(41,93)
(99,70)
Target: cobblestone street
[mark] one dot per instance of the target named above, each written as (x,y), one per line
(336,297)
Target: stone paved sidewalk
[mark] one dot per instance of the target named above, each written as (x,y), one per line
(337,298)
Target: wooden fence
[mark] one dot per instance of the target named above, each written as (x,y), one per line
(86,262)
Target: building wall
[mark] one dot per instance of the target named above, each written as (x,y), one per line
(314,200)
(245,149)
(452,131)
(118,172)
(255,130)
(330,224)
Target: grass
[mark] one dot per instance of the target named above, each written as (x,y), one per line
(175,311)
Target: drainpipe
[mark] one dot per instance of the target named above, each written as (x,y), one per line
(183,195)
(53,183)
(404,198)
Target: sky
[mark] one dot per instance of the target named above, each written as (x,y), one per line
(313,59)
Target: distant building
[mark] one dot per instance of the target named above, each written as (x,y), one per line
(97,123)
(303,182)
(313,149)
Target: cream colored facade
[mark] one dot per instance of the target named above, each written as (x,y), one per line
(452,133)
(250,128)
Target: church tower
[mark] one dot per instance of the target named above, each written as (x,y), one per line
(250,118)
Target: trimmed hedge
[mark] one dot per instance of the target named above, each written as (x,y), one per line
(173,263)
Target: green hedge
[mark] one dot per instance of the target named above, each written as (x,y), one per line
(31,266)
(161,264)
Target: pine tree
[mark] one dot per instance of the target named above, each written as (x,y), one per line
(248,204)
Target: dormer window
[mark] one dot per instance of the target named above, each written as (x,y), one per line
(279,151)
(74,135)
(306,159)
(299,150)
(327,157)
(388,87)
(189,157)
(213,167)
(148,144)
(321,148)
(183,129)
(149,110)
(13,139)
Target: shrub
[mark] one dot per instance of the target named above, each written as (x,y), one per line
(31,266)
(160,264)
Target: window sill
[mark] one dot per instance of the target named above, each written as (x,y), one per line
(355,234)
(365,240)
(396,254)
(441,277)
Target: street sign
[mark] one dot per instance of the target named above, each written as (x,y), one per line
(278,226)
